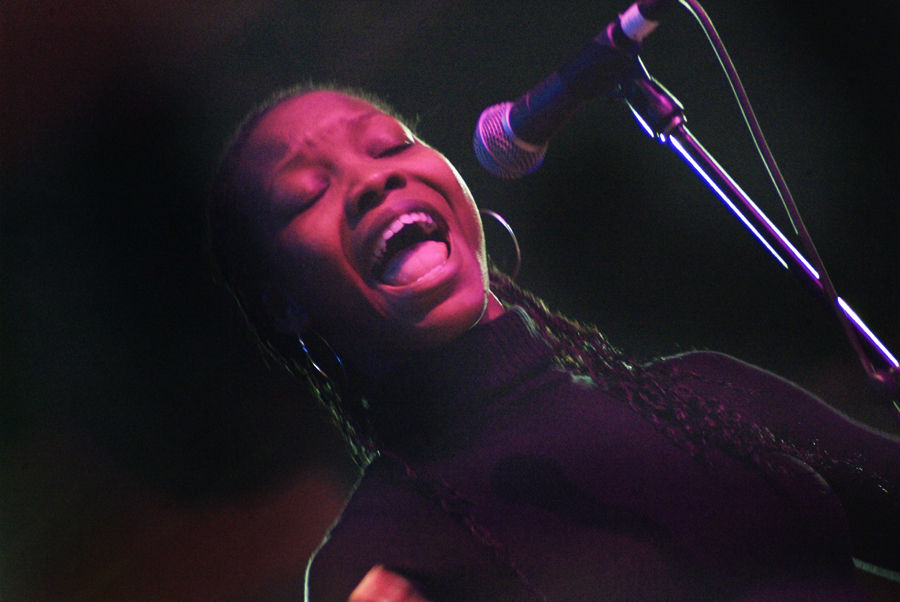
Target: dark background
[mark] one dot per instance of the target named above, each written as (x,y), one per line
(147,451)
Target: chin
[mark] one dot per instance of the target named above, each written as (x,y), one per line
(402,338)
(450,319)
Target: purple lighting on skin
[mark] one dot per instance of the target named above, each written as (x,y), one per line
(727,201)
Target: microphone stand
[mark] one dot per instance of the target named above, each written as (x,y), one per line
(662,116)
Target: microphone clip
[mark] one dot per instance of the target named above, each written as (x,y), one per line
(655,108)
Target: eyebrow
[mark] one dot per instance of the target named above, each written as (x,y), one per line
(364,117)
(267,152)
(270,150)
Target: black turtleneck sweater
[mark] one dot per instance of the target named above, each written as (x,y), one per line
(506,478)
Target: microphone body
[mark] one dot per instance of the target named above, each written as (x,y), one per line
(512,137)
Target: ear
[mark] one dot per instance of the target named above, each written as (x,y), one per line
(289,317)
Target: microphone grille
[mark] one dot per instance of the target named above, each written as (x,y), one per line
(496,148)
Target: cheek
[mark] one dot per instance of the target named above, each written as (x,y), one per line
(465,208)
(477,233)
(321,283)
(325,287)
(305,264)
(470,221)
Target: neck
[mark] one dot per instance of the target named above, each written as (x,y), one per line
(375,364)
(493,309)
(427,399)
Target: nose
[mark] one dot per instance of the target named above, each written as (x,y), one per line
(372,190)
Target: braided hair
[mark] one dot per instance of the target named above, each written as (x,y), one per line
(658,392)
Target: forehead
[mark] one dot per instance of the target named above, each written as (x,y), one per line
(303,121)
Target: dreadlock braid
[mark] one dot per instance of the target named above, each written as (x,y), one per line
(659,393)
(662,394)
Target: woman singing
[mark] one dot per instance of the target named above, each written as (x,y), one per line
(510,453)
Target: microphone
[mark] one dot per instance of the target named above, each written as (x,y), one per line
(511,138)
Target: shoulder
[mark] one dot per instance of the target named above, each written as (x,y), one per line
(763,397)
(390,520)
(346,554)
(712,371)
(725,368)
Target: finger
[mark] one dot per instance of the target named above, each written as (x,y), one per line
(381,585)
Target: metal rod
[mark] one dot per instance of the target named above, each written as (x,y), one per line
(771,237)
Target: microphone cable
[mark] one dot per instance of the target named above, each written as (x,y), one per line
(784,193)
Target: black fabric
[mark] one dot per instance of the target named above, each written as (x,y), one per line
(506,478)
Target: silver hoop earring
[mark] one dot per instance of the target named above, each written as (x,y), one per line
(515,241)
(336,364)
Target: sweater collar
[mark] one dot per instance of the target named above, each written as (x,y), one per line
(428,399)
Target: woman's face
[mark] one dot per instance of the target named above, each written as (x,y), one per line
(376,240)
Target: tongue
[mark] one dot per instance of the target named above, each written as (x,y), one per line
(411,264)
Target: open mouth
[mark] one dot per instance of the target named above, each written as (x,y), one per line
(413,246)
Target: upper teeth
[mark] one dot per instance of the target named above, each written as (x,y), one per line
(397,225)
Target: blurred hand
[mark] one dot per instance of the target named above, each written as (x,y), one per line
(381,585)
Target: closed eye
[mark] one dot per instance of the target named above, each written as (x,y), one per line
(396,149)
(288,209)
(296,190)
